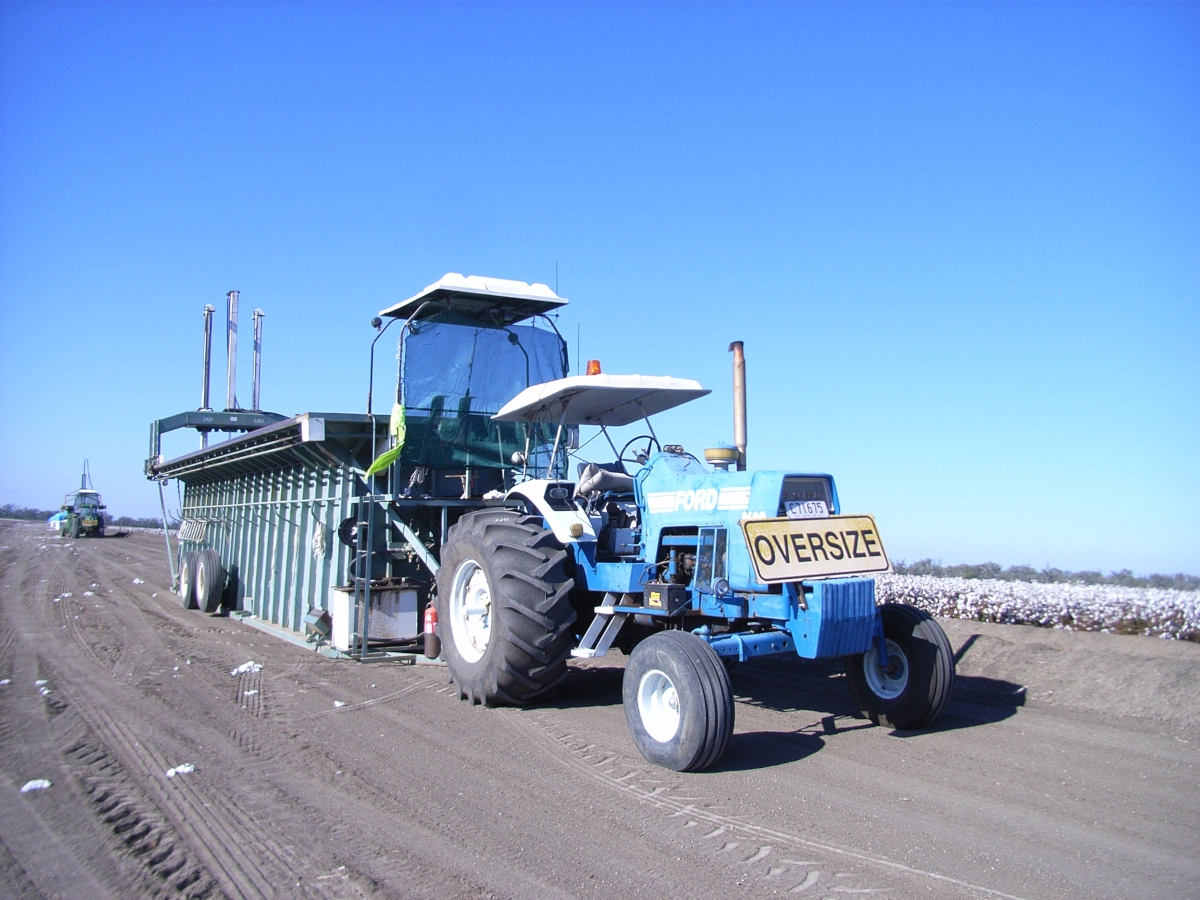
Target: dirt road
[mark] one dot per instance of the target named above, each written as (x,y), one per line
(1067,766)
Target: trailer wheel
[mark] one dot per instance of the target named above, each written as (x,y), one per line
(209,580)
(187,579)
(915,686)
(678,701)
(504,608)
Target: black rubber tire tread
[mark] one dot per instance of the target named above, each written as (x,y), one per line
(706,695)
(74,528)
(718,683)
(210,581)
(930,671)
(187,579)
(531,635)
(347,532)
(100,529)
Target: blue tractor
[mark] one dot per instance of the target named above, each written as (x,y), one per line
(475,509)
(686,565)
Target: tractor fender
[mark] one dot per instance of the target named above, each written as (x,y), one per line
(536,493)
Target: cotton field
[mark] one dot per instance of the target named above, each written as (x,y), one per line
(1075,607)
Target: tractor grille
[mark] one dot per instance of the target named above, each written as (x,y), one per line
(847,615)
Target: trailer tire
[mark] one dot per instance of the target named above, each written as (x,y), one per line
(187,579)
(504,608)
(210,581)
(917,684)
(678,701)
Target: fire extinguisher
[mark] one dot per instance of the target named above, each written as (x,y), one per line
(433,644)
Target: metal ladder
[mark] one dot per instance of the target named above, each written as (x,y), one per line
(603,630)
(361,572)
(374,512)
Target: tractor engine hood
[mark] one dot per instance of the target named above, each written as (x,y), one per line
(679,495)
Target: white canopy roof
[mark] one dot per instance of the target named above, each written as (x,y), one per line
(489,301)
(599,399)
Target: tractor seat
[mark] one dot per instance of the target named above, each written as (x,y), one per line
(601,477)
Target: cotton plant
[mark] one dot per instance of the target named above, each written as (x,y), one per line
(1159,612)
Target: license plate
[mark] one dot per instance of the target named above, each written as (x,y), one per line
(795,549)
(806,509)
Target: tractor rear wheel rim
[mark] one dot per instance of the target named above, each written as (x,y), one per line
(470,611)
(658,705)
(887,682)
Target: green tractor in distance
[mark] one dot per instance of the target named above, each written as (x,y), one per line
(84,509)
(85,514)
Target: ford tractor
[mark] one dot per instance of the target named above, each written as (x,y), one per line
(470,510)
(687,566)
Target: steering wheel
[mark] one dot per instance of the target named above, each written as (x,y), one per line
(633,452)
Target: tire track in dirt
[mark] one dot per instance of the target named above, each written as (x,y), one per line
(610,767)
(87,779)
(364,704)
(219,833)
(694,820)
(386,808)
(133,818)
(248,692)
(229,845)
(245,818)
(120,809)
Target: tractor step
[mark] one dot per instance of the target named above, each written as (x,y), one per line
(603,630)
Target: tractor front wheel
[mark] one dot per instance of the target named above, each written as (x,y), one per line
(913,688)
(678,701)
(74,528)
(504,608)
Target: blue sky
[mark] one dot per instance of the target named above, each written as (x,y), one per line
(960,242)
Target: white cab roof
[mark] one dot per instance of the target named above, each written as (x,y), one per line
(599,399)
(479,300)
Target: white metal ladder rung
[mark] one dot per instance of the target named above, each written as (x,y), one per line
(603,631)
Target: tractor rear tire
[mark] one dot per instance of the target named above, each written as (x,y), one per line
(504,608)
(187,579)
(210,581)
(678,701)
(914,688)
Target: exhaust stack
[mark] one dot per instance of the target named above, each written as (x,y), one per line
(231,351)
(209,309)
(258,317)
(739,403)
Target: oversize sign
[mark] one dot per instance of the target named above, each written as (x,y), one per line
(795,549)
